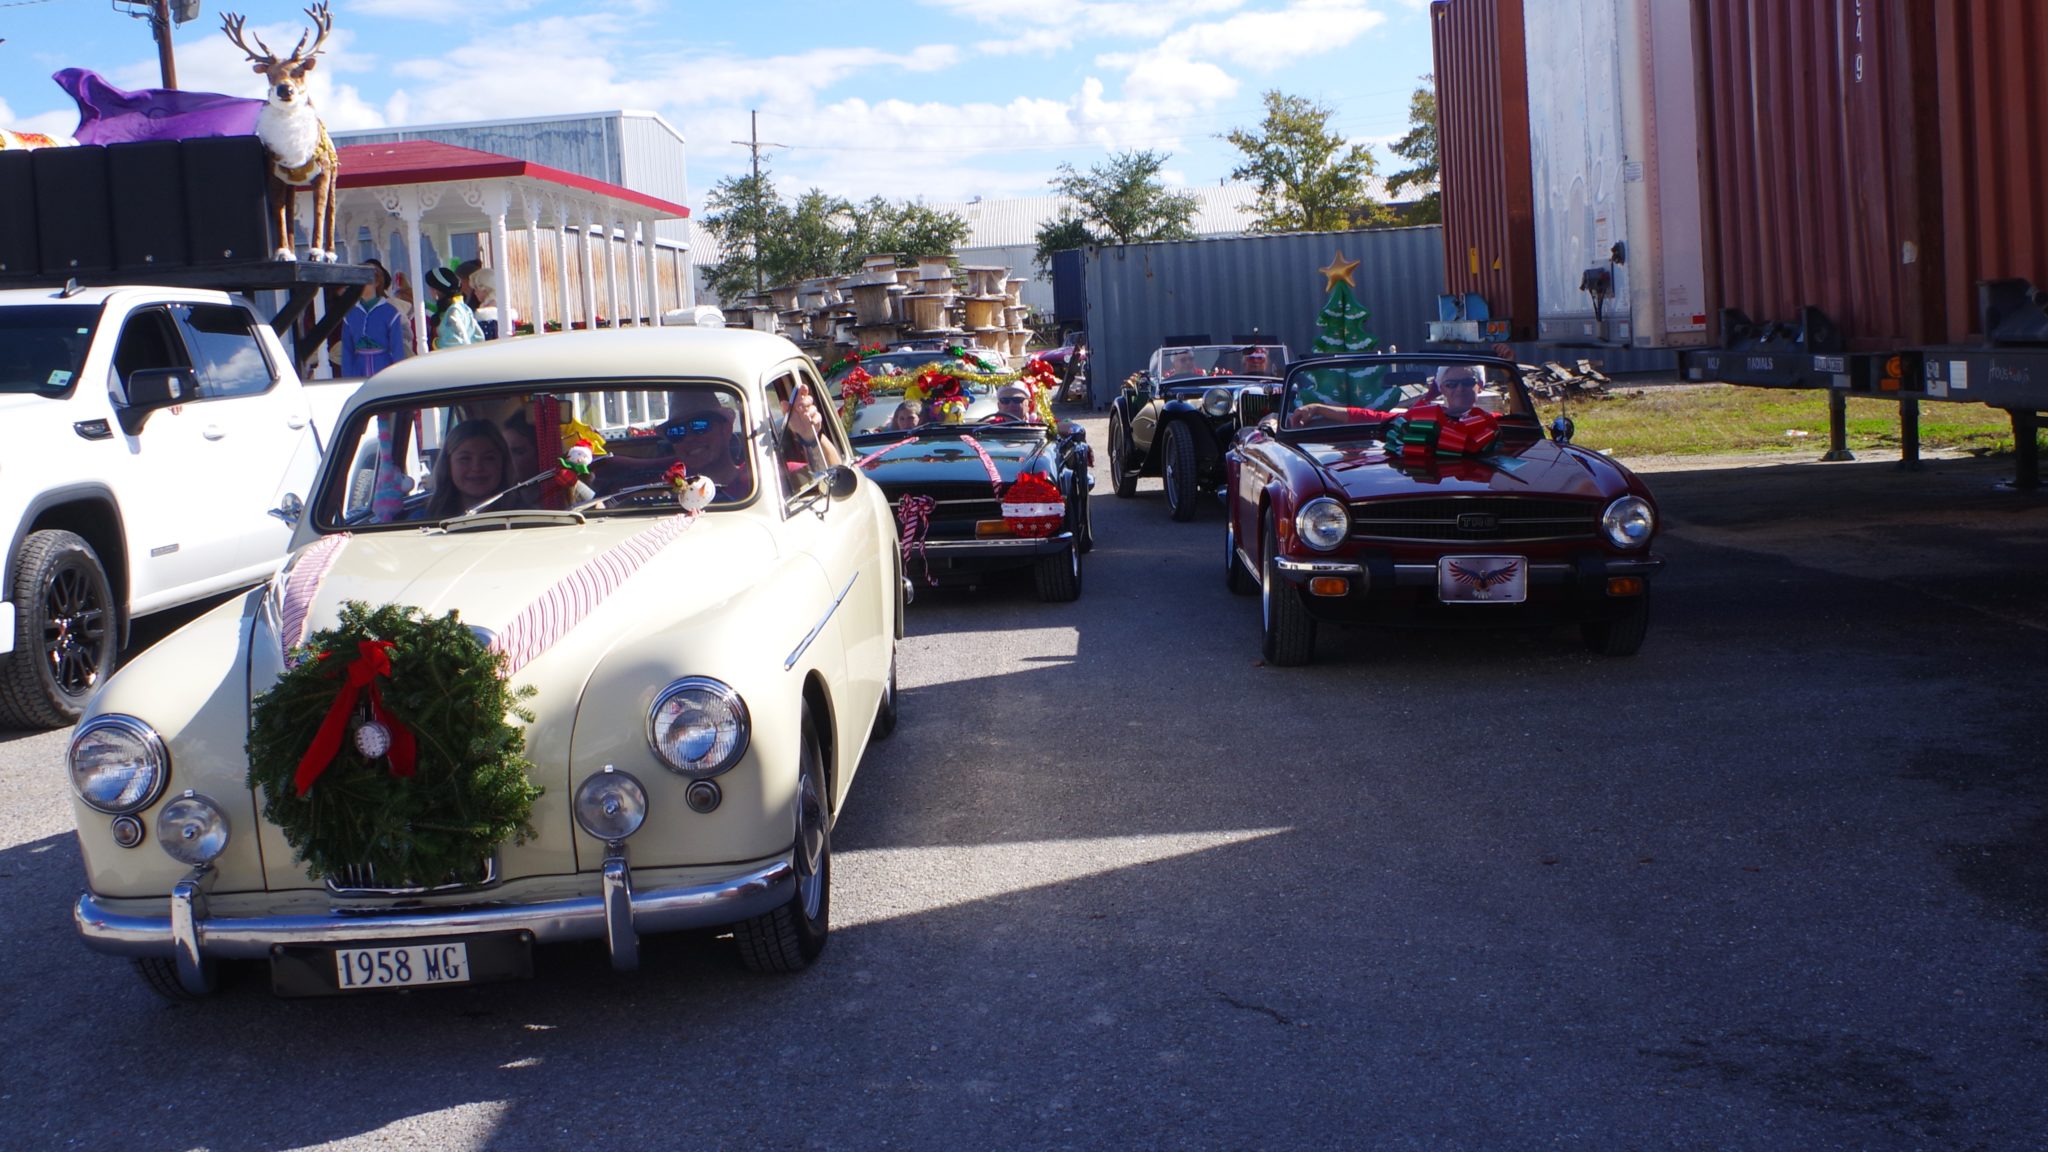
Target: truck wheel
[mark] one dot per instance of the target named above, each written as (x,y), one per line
(1288,631)
(1622,635)
(1177,470)
(64,632)
(788,938)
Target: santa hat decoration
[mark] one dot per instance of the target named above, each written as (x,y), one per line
(1033,506)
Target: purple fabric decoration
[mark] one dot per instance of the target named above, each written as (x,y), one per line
(107,115)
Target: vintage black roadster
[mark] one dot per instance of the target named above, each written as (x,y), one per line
(972,498)
(1176,419)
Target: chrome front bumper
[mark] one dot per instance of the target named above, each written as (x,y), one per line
(617,915)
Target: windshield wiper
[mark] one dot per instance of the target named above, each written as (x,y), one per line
(527,483)
(509,517)
(658,486)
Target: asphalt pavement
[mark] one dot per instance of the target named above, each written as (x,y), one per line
(1780,881)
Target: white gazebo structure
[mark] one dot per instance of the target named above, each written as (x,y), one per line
(616,275)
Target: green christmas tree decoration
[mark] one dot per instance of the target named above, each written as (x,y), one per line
(1340,327)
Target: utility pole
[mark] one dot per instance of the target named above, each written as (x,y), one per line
(160,23)
(754,144)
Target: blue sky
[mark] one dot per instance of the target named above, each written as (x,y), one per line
(946,99)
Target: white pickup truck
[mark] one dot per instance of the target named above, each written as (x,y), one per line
(154,445)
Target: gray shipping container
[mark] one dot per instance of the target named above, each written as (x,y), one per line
(1139,294)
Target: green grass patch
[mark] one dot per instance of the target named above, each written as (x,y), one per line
(1708,419)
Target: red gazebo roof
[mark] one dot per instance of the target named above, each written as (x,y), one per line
(431,162)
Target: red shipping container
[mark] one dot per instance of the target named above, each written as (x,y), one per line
(1993,148)
(1824,188)
(1482,108)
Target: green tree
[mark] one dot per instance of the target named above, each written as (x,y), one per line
(740,213)
(1123,201)
(1057,236)
(909,229)
(807,238)
(1309,179)
(1419,148)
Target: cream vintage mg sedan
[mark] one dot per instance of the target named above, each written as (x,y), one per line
(580,637)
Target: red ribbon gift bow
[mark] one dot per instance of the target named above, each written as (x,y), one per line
(373,659)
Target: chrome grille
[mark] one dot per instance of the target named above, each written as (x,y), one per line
(361,880)
(1475,518)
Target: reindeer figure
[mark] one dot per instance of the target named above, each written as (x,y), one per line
(301,155)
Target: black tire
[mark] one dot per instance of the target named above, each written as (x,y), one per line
(1288,632)
(1058,575)
(1622,635)
(1177,470)
(885,716)
(1125,483)
(789,938)
(161,974)
(66,634)
(1079,517)
(1235,577)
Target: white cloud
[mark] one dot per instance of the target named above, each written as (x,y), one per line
(1066,22)
(433,11)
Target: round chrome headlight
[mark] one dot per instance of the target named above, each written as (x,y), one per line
(118,764)
(1217,401)
(1629,522)
(192,829)
(1322,523)
(610,805)
(698,727)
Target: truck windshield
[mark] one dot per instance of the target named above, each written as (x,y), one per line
(42,346)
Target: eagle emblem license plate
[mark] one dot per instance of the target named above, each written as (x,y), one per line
(1482,579)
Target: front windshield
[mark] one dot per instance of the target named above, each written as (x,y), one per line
(1372,390)
(511,450)
(43,346)
(1190,360)
(899,396)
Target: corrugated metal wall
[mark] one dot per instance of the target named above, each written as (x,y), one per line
(651,157)
(1822,193)
(1993,148)
(1139,293)
(1482,108)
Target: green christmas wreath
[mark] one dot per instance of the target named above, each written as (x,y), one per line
(390,744)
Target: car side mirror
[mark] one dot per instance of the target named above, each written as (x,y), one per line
(289,509)
(1562,429)
(841,481)
(152,388)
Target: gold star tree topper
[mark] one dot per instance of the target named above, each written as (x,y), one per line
(1338,269)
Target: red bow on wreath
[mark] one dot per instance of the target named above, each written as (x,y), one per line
(373,659)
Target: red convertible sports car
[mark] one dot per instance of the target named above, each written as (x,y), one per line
(1423,490)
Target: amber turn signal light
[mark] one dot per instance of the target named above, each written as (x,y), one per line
(1328,586)
(1624,585)
(984,528)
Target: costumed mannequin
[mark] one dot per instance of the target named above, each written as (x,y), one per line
(374,334)
(483,284)
(457,325)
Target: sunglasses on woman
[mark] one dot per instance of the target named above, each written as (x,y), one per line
(695,426)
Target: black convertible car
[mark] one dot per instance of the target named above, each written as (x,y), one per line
(972,498)
(1177,418)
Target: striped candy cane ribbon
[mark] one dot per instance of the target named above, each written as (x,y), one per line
(301,584)
(994,477)
(577,595)
(878,453)
(914,514)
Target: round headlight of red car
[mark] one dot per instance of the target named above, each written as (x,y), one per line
(1629,522)
(698,726)
(1322,523)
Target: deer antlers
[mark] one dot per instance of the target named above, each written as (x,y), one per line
(324,22)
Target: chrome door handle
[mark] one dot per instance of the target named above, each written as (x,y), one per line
(214,432)
(295,422)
